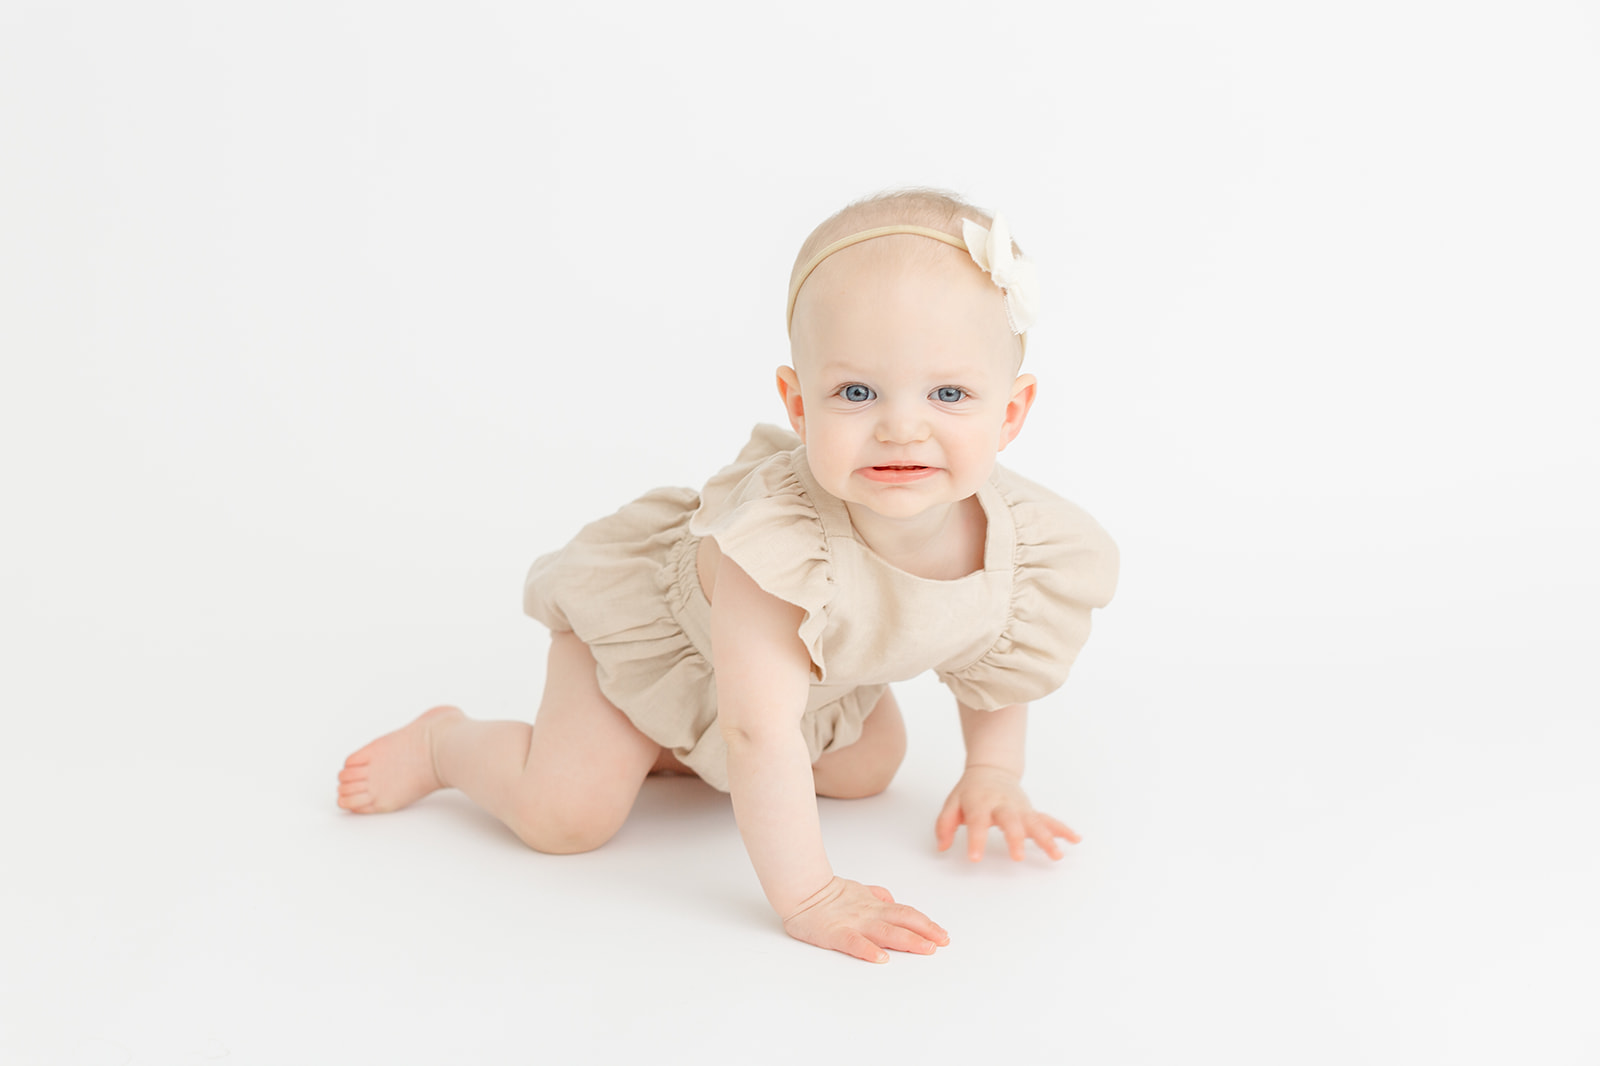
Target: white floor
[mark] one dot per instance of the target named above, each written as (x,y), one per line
(318,322)
(1389,864)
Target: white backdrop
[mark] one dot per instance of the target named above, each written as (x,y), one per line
(320,321)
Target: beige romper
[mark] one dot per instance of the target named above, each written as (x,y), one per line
(628,588)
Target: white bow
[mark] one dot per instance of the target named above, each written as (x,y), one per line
(1015,274)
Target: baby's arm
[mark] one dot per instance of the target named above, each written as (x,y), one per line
(763,678)
(990,791)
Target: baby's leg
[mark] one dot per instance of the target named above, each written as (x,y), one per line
(866,767)
(564,784)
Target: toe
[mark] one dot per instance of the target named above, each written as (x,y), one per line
(360,802)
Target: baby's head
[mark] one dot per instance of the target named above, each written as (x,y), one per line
(904,380)
(949,217)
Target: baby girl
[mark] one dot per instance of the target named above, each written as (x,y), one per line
(748,632)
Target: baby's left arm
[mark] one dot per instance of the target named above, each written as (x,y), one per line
(990,791)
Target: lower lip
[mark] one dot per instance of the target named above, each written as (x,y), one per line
(898,475)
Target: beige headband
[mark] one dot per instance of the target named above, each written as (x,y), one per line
(857,238)
(982,257)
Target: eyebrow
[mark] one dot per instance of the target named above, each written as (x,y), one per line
(838,369)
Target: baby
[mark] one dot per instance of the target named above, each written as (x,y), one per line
(748,632)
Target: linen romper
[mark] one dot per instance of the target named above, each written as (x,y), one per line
(628,587)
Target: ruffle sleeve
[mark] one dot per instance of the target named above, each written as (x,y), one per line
(761,517)
(1065,566)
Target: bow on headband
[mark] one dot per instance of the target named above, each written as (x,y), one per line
(1016,275)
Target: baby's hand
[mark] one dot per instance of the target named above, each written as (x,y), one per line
(860,920)
(989,796)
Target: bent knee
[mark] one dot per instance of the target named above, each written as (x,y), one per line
(856,787)
(558,842)
(565,830)
(860,773)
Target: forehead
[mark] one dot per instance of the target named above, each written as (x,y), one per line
(900,295)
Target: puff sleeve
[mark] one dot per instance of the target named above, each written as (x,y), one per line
(1065,565)
(761,517)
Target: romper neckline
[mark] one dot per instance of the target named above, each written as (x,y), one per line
(1000,533)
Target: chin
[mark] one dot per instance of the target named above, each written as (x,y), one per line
(900,504)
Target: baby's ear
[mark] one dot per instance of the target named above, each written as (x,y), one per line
(1023,392)
(793,404)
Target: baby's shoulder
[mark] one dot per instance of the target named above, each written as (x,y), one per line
(1045,520)
(761,514)
(763,485)
(1064,565)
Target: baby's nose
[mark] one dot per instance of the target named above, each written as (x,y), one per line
(901,424)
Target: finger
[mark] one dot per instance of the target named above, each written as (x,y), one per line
(919,923)
(1010,823)
(945,828)
(977,835)
(899,938)
(1062,829)
(858,944)
(1040,830)
(881,892)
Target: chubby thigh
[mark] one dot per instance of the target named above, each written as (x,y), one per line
(586,760)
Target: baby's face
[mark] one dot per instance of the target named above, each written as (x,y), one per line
(904,384)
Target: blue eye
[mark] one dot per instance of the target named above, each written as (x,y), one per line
(857,393)
(950,394)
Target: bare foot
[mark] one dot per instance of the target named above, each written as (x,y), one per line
(395,770)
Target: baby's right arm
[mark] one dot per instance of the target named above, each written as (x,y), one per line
(763,677)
